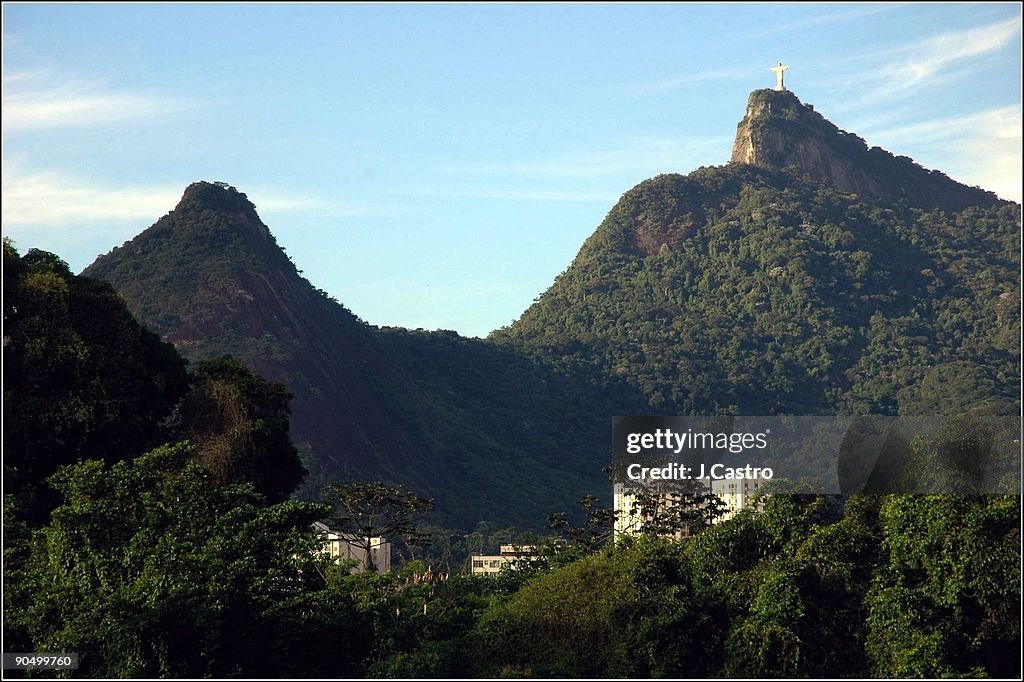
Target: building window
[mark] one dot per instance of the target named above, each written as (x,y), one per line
(477,563)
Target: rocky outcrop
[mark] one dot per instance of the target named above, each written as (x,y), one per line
(779,131)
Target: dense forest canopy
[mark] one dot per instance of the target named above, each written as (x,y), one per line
(750,291)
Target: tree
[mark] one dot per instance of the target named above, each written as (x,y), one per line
(621,612)
(240,425)
(598,526)
(678,508)
(364,511)
(946,599)
(767,641)
(152,569)
(965,455)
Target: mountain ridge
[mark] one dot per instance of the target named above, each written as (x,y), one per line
(223,280)
(751,288)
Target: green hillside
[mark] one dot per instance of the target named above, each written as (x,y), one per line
(751,291)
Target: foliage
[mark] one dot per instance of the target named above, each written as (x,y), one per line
(151,568)
(751,291)
(595,532)
(732,290)
(239,424)
(82,378)
(623,613)
(418,619)
(678,509)
(946,598)
(431,410)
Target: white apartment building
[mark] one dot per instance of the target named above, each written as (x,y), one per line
(736,494)
(339,546)
(491,564)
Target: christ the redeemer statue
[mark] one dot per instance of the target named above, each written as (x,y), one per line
(779,70)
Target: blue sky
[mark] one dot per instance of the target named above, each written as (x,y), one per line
(437,166)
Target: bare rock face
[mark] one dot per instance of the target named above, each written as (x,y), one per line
(779,131)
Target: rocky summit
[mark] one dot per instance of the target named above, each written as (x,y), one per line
(780,131)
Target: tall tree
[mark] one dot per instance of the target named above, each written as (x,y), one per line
(364,511)
(597,529)
(946,598)
(678,508)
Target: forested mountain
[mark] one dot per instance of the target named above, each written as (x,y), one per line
(757,291)
(810,276)
(490,433)
(210,278)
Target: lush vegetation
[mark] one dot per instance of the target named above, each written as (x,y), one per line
(458,420)
(82,378)
(170,550)
(239,423)
(152,568)
(812,587)
(749,291)
(731,290)
(151,519)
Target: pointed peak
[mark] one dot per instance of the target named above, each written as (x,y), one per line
(218,196)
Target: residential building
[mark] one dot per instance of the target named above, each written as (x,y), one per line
(737,494)
(491,564)
(342,546)
(630,519)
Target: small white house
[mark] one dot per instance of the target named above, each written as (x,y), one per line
(340,546)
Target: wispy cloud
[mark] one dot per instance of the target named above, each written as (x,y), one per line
(53,201)
(668,85)
(981,148)
(37,99)
(832,16)
(884,75)
(1001,122)
(271,200)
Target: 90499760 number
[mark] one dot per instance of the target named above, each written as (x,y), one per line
(40,661)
